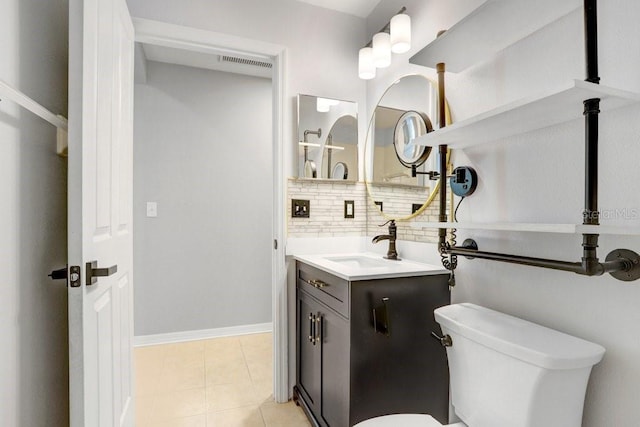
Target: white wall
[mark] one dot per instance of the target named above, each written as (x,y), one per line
(33,309)
(203,152)
(322,47)
(538,177)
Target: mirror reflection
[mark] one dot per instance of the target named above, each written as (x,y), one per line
(405,111)
(327,138)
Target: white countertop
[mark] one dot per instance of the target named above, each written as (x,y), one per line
(368,266)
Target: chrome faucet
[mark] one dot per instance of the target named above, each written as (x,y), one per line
(391,237)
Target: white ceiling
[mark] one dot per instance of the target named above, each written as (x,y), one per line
(361,8)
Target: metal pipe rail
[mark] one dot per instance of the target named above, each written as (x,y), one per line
(622,261)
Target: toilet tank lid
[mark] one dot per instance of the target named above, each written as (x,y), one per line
(519,338)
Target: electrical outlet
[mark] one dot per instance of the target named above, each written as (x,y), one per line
(152,209)
(300,208)
(349,209)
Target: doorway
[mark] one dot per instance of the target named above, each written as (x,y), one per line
(184,41)
(202,202)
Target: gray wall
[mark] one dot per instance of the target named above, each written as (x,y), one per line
(33,309)
(203,152)
(322,47)
(538,177)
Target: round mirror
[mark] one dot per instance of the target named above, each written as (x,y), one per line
(411,125)
(405,111)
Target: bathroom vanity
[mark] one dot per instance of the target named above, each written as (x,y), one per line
(363,344)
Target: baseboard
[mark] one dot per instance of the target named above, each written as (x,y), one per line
(202,334)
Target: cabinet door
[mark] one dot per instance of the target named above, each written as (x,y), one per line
(396,366)
(334,334)
(309,353)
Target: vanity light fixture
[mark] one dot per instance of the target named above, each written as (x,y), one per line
(400,33)
(394,37)
(366,68)
(381,50)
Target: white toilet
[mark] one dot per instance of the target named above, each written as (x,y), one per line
(507,372)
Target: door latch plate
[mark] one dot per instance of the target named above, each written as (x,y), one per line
(74,276)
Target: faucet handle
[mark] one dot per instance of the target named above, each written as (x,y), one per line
(392,221)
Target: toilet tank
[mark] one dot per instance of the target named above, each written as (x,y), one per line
(507,372)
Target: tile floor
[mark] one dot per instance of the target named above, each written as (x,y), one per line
(221,382)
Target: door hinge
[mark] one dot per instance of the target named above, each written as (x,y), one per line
(275,244)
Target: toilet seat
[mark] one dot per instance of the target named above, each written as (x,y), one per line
(405,420)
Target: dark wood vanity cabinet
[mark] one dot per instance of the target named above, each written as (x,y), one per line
(322,365)
(364,348)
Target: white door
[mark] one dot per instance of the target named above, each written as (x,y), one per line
(100,213)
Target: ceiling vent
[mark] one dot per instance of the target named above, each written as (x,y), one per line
(244,61)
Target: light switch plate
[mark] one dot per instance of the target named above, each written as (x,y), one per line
(300,208)
(152,209)
(349,209)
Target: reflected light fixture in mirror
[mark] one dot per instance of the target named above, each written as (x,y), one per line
(323,105)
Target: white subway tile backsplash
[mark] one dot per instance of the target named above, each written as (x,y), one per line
(327,210)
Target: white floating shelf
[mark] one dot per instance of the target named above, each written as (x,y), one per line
(504,226)
(528,114)
(533,227)
(493,26)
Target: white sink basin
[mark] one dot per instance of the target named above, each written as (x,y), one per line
(359,261)
(366,266)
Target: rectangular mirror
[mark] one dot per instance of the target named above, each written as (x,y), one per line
(327,138)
